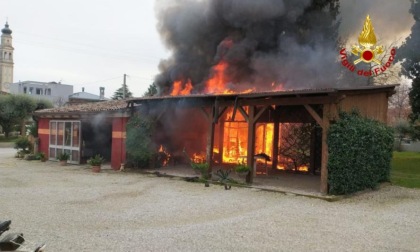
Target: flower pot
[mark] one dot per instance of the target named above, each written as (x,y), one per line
(242,174)
(63,162)
(96,168)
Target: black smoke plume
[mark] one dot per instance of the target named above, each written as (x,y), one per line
(264,42)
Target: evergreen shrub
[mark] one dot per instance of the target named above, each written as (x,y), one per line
(140,146)
(360,153)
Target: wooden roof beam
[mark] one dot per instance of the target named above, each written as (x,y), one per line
(314,114)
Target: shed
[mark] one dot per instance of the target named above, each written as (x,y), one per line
(219,116)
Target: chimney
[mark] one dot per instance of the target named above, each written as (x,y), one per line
(102,93)
(83,89)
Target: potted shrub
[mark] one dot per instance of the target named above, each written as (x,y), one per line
(201,169)
(23,145)
(63,157)
(41,156)
(224,178)
(242,170)
(95,162)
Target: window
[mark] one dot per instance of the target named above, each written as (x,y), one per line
(48,91)
(65,137)
(39,91)
(31,90)
(25,90)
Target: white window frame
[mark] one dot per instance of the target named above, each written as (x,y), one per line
(64,147)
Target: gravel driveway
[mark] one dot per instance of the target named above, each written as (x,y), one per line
(73,209)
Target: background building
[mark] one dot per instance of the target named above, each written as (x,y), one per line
(55,92)
(6,59)
(84,97)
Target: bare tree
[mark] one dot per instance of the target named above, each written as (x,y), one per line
(392,74)
(399,105)
(59,102)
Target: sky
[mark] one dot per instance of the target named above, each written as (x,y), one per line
(85,43)
(93,43)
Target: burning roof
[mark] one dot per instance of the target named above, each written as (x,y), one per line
(243,46)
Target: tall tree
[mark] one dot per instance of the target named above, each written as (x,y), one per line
(399,106)
(14,109)
(151,91)
(410,57)
(119,93)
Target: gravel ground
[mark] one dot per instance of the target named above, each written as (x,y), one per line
(73,209)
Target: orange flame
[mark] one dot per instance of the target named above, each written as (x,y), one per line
(180,88)
(217,84)
(165,162)
(199,158)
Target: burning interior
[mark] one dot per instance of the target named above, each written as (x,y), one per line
(283,137)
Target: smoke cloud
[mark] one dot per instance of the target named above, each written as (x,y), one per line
(391,19)
(264,43)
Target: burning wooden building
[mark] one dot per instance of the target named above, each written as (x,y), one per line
(281,130)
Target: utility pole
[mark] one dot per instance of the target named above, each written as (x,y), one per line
(124,86)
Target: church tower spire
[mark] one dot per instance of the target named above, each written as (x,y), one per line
(6,58)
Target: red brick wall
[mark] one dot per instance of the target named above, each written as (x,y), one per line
(44,135)
(118,155)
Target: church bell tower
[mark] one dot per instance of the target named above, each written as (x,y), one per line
(6,59)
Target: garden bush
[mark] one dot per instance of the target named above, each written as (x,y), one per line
(140,146)
(360,153)
(23,144)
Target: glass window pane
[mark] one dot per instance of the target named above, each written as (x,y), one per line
(58,152)
(53,133)
(75,156)
(67,134)
(52,153)
(76,128)
(60,133)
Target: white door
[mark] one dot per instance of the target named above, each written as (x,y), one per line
(65,136)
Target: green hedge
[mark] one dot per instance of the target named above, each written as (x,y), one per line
(139,143)
(360,153)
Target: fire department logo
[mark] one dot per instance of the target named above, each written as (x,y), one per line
(367,51)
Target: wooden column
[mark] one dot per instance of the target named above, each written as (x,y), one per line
(312,167)
(276,136)
(221,138)
(324,155)
(210,142)
(251,143)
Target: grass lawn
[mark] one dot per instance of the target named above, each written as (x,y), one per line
(406,169)
(5,140)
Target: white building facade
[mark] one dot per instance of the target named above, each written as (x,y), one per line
(55,92)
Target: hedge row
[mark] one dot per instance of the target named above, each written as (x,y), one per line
(360,153)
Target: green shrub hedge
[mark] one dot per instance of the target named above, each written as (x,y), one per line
(139,144)
(360,153)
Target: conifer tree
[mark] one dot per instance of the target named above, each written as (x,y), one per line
(119,93)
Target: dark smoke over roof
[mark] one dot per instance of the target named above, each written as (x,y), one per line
(264,43)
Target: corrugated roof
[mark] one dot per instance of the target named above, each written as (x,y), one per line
(87,107)
(267,93)
(122,104)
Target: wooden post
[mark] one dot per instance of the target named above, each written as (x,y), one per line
(276,139)
(210,142)
(312,167)
(251,143)
(324,155)
(221,139)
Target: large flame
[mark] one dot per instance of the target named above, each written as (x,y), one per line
(181,88)
(367,38)
(217,84)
